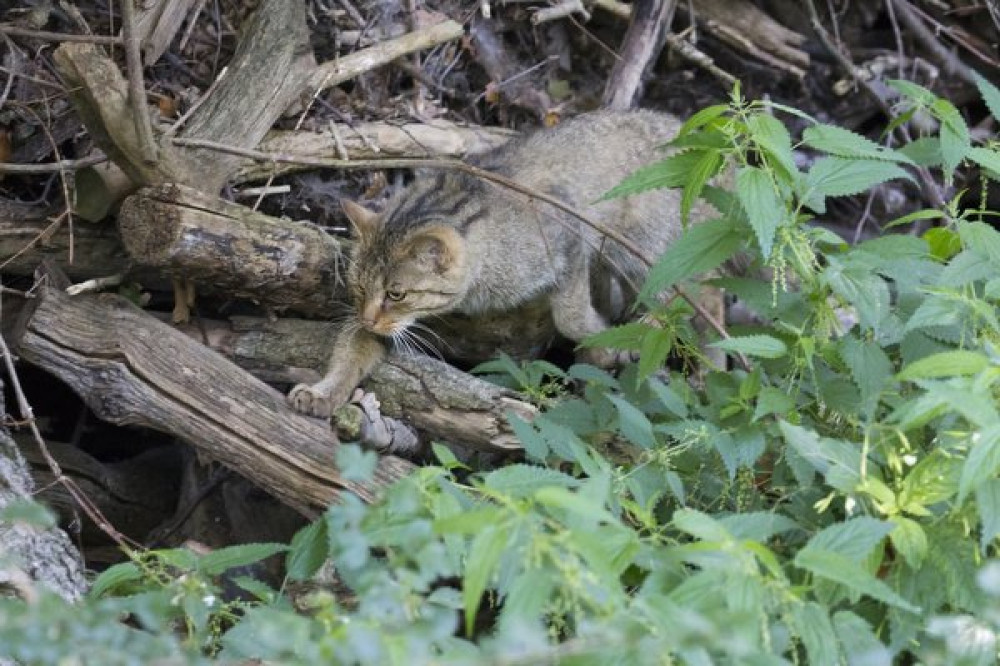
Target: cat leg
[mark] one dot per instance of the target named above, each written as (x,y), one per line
(575,317)
(356,351)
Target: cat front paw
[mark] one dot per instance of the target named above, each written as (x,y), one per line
(312,400)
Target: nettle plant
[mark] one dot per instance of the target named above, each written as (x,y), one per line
(838,501)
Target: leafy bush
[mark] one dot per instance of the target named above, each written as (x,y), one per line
(836,503)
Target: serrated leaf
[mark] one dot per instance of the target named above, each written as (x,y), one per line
(909,540)
(988,505)
(860,644)
(653,353)
(757,525)
(839,462)
(241,555)
(484,556)
(838,176)
(700,249)
(669,398)
(986,158)
(914,91)
(854,539)
(581,504)
(634,425)
(700,525)
(980,237)
(867,292)
(534,444)
(772,400)
(308,551)
(760,346)
(114,577)
(839,569)
(670,172)
(982,462)
(870,369)
(704,170)
(523,480)
(957,363)
(915,216)
(702,117)
(627,336)
(845,143)
(943,243)
(989,93)
(763,207)
(813,626)
(925,151)
(773,139)
(954,134)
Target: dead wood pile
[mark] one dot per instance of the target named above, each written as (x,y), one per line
(189,148)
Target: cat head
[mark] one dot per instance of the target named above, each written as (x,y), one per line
(398,276)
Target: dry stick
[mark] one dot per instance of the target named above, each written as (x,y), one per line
(51,167)
(337,71)
(58,36)
(456,165)
(136,87)
(28,417)
(952,63)
(927,185)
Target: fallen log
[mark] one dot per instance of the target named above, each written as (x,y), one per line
(440,401)
(291,266)
(132,369)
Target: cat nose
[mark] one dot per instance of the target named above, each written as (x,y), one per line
(370,313)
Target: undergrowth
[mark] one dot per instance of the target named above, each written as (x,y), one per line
(835,502)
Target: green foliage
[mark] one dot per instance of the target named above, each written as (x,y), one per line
(837,501)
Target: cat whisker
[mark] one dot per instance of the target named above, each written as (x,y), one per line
(434,348)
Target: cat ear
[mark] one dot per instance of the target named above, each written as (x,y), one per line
(440,249)
(363,220)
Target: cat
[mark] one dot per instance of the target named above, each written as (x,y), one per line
(452,242)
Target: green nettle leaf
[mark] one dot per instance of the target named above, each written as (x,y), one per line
(870,368)
(839,462)
(854,539)
(983,460)
(625,336)
(706,169)
(955,141)
(772,400)
(773,139)
(986,158)
(916,216)
(763,207)
(523,480)
(701,526)
(839,176)
(534,444)
(656,346)
(484,555)
(957,363)
(813,626)
(308,551)
(909,540)
(703,117)
(980,237)
(914,91)
(670,172)
(925,151)
(669,398)
(943,243)
(860,644)
(241,555)
(839,569)
(988,504)
(634,425)
(761,346)
(28,512)
(845,143)
(700,249)
(866,291)
(757,525)
(989,93)
(115,578)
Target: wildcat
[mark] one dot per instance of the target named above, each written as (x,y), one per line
(452,242)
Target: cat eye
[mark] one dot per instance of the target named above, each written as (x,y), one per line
(395,295)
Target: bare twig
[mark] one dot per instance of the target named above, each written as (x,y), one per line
(84,502)
(53,167)
(136,86)
(58,36)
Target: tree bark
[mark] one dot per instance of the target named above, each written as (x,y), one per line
(132,369)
